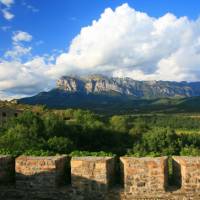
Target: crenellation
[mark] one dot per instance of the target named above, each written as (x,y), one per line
(144,174)
(187,170)
(94,178)
(92,173)
(41,172)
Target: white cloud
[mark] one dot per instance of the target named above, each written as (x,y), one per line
(21,36)
(17,51)
(122,42)
(9,96)
(6,10)
(19,78)
(23,78)
(129,43)
(7,14)
(7,3)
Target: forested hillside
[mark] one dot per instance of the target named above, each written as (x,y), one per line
(112,104)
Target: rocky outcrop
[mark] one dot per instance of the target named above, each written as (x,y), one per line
(127,86)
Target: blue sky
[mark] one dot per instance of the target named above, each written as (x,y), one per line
(40,40)
(55,23)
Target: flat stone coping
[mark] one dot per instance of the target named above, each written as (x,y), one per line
(5,156)
(92,158)
(186,159)
(42,157)
(144,158)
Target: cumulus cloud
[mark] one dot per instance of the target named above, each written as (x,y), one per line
(21,36)
(122,42)
(19,78)
(18,49)
(23,78)
(125,42)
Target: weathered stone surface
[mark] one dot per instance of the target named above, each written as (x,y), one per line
(7,169)
(126,86)
(41,172)
(142,175)
(187,172)
(39,178)
(92,173)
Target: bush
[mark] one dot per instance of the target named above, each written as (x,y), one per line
(190,151)
(60,145)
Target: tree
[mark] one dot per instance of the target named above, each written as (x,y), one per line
(20,138)
(29,120)
(161,140)
(54,125)
(119,123)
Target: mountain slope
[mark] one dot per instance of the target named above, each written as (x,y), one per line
(113,104)
(117,95)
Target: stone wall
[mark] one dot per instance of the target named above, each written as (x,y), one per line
(92,175)
(7,113)
(41,172)
(42,178)
(143,175)
(187,172)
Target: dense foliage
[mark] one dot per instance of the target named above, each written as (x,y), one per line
(80,132)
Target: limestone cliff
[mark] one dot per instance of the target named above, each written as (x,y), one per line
(128,86)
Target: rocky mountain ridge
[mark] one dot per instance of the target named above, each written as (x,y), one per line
(128,87)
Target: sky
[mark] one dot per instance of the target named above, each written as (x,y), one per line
(42,40)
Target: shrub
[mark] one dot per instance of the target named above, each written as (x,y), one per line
(60,145)
(190,151)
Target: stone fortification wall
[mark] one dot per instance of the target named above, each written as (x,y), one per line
(85,178)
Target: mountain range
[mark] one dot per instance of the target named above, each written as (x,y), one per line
(99,93)
(98,84)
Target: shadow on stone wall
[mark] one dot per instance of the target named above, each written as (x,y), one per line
(176,179)
(7,170)
(45,186)
(94,179)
